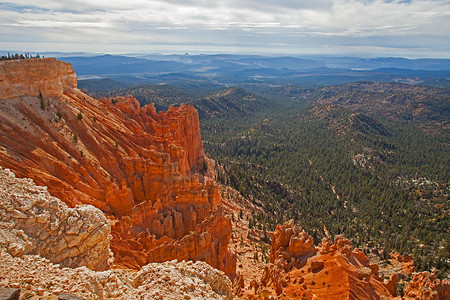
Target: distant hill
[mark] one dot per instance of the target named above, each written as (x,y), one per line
(345,121)
(404,63)
(225,102)
(113,65)
(392,100)
(101,85)
(161,95)
(233,70)
(234,101)
(367,140)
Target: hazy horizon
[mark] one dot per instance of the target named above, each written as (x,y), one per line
(61,54)
(361,28)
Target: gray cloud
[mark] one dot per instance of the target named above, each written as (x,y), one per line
(409,28)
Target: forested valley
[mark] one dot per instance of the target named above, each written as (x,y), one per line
(369,160)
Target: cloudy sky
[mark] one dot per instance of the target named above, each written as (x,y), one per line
(414,28)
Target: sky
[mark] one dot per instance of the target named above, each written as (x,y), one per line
(369,28)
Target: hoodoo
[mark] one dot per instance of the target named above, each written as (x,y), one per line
(300,270)
(136,165)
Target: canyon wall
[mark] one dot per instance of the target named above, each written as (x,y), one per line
(35,76)
(136,165)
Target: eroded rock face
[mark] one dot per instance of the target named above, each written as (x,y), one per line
(291,246)
(425,285)
(39,279)
(136,165)
(47,76)
(33,222)
(300,270)
(406,261)
(173,280)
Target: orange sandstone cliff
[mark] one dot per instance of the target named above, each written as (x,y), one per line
(136,165)
(33,76)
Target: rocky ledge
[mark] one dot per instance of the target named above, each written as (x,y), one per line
(34,222)
(46,77)
(50,251)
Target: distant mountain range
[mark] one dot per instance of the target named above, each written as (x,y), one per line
(252,69)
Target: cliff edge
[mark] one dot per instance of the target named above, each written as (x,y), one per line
(35,76)
(136,165)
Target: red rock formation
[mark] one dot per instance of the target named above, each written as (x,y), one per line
(299,270)
(426,286)
(133,163)
(291,246)
(406,261)
(31,76)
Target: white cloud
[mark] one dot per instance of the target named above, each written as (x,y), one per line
(268,23)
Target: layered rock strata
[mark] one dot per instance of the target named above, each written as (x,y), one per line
(133,163)
(34,77)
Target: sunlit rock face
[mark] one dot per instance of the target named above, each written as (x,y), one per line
(45,76)
(425,285)
(136,165)
(300,270)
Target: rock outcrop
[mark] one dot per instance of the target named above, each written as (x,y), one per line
(37,278)
(406,262)
(426,286)
(136,165)
(33,222)
(178,280)
(291,246)
(300,270)
(36,76)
